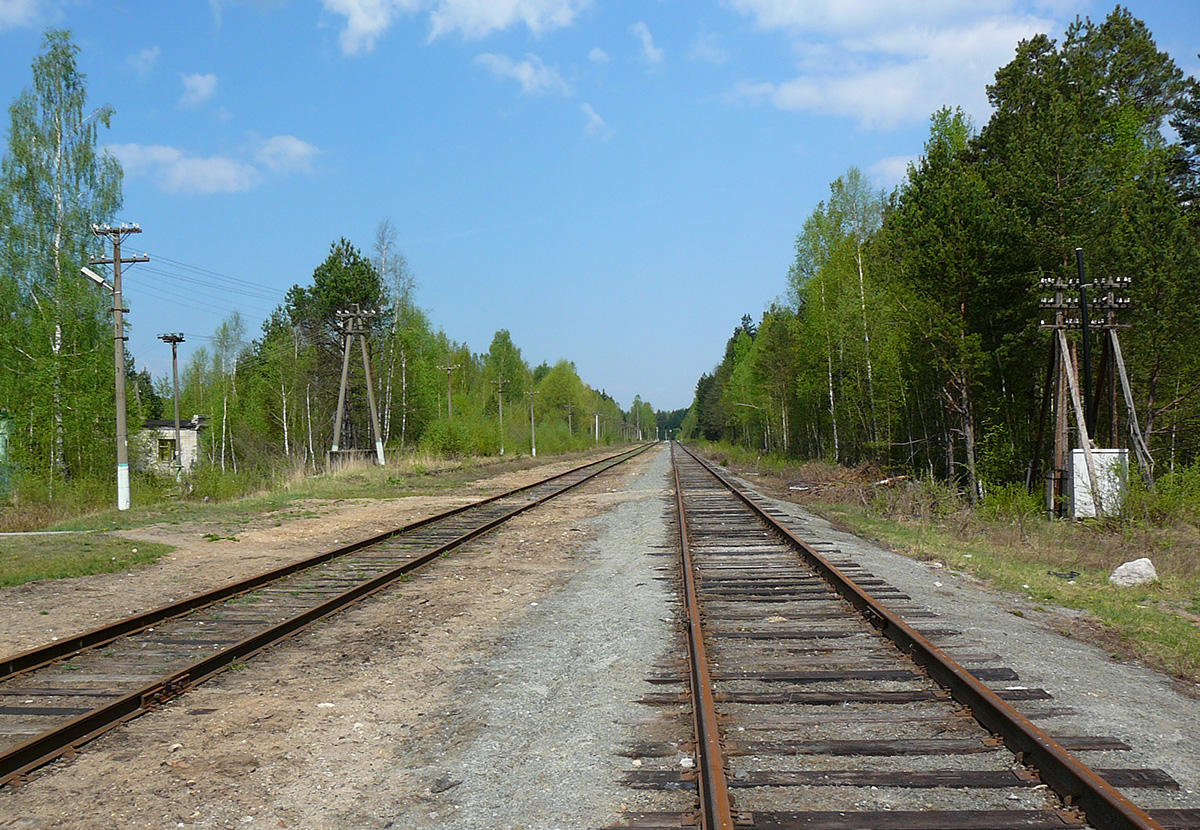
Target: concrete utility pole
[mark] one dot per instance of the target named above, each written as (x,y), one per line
(499,381)
(532,424)
(448,368)
(116,236)
(175,339)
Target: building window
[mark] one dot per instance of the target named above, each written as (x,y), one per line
(166,449)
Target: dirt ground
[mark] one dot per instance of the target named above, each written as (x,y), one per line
(312,733)
(208,555)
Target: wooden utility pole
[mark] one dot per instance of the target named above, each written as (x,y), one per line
(175,339)
(1068,397)
(353,325)
(116,236)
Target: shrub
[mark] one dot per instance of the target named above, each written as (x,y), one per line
(1175,497)
(1010,501)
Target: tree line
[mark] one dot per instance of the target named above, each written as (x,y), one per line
(911,334)
(269,398)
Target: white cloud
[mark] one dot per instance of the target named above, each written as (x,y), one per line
(650,53)
(847,17)
(891,171)
(286,154)
(707,48)
(15,13)
(177,171)
(197,89)
(533,75)
(598,55)
(595,124)
(884,63)
(174,171)
(476,18)
(367,20)
(144,61)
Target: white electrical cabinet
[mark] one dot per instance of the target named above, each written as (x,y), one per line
(1112,473)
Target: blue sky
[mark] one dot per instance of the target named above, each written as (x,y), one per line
(616,183)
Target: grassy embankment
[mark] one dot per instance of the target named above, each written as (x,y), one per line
(1008,543)
(90,549)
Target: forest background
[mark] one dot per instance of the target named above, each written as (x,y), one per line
(911,336)
(269,400)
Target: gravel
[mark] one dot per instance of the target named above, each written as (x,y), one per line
(1154,714)
(499,689)
(558,694)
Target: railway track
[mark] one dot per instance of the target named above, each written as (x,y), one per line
(55,698)
(816,706)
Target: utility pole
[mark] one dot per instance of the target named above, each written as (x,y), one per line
(175,339)
(532,424)
(1062,393)
(116,236)
(352,326)
(448,368)
(499,382)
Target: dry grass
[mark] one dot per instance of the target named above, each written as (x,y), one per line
(22,517)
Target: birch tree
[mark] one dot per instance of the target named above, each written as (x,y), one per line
(54,185)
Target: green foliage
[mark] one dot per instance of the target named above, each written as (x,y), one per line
(56,384)
(211,483)
(1011,501)
(270,403)
(913,339)
(1175,498)
(458,438)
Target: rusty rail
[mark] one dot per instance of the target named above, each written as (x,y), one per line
(716,805)
(1105,807)
(24,757)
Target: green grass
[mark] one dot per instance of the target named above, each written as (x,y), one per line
(29,558)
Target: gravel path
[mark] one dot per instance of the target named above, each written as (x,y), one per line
(558,693)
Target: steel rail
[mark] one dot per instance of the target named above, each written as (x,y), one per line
(43,655)
(716,804)
(41,749)
(1104,806)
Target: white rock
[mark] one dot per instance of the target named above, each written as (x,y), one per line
(1138,572)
